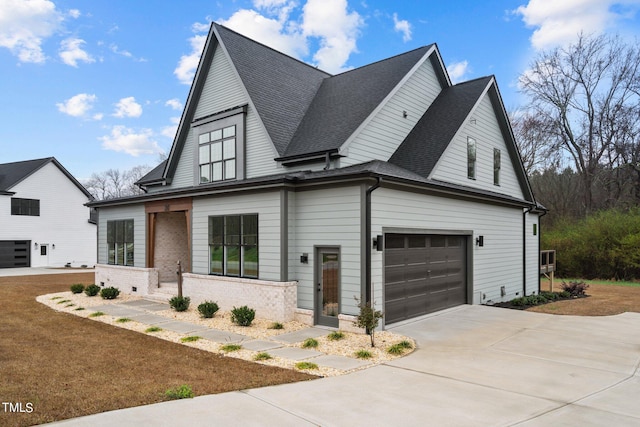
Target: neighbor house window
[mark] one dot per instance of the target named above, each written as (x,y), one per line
(120,242)
(496,166)
(471,158)
(217,154)
(29,207)
(233,245)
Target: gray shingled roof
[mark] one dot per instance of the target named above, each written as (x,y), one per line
(12,174)
(344,101)
(280,87)
(426,142)
(153,175)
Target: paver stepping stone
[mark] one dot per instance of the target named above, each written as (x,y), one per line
(301,335)
(339,362)
(222,336)
(182,327)
(260,345)
(150,319)
(294,353)
(116,310)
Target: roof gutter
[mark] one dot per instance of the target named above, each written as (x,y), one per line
(367,240)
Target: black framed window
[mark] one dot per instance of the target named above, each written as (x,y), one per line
(471,158)
(217,154)
(496,166)
(233,245)
(29,207)
(120,242)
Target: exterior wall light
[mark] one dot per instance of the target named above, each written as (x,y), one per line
(480,241)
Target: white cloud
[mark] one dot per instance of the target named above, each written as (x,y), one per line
(188,64)
(74,13)
(78,105)
(170,131)
(458,70)
(25,24)
(269,31)
(558,23)
(123,139)
(402,26)
(337,29)
(174,103)
(128,107)
(71,52)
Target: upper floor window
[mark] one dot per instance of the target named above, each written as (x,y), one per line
(220,152)
(471,158)
(496,166)
(217,154)
(30,207)
(120,242)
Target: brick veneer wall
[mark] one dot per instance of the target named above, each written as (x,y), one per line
(171,245)
(145,280)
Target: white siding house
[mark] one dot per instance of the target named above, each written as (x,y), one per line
(302,193)
(44,222)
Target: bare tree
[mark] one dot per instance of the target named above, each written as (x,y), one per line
(532,136)
(583,91)
(114,183)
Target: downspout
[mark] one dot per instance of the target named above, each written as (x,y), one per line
(539,247)
(524,252)
(368,239)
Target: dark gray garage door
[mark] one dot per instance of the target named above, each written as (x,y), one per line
(423,273)
(15,253)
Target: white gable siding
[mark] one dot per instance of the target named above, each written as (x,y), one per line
(266,205)
(498,263)
(137,214)
(329,217)
(380,138)
(63,219)
(223,90)
(452,167)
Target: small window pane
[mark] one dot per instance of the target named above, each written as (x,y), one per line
(250,261)
(418,241)
(217,172)
(111,231)
(204,154)
(250,229)
(229,149)
(496,166)
(229,169)
(438,241)
(230,131)
(217,256)
(216,151)
(129,254)
(216,135)
(120,253)
(233,260)
(112,253)
(203,139)
(128,231)
(393,241)
(119,231)
(205,173)
(232,230)
(455,241)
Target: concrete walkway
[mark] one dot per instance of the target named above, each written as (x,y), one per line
(30,271)
(474,366)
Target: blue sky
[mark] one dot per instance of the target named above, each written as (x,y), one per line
(101,84)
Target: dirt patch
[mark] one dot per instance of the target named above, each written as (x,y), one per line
(66,366)
(603,300)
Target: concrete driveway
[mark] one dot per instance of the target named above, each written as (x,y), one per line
(474,366)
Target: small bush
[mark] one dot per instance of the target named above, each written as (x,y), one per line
(363,354)
(242,316)
(180,303)
(123,320)
(70,305)
(79,309)
(575,288)
(405,344)
(153,329)
(335,336)
(306,365)
(368,318)
(96,314)
(92,290)
(54,298)
(62,301)
(230,347)
(77,288)
(262,356)
(565,294)
(310,343)
(182,392)
(110,293)
(276,325)
(208,309)
(395,349)
(192,338)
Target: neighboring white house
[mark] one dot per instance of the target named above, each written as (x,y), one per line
(296,192)
(43,218)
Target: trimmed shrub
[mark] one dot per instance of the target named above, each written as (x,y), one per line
(110,293)
(182,392)
(77,288)
(242,316)
(310,343)
(208,309)
(92,290)
(575,288)
(180,303)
